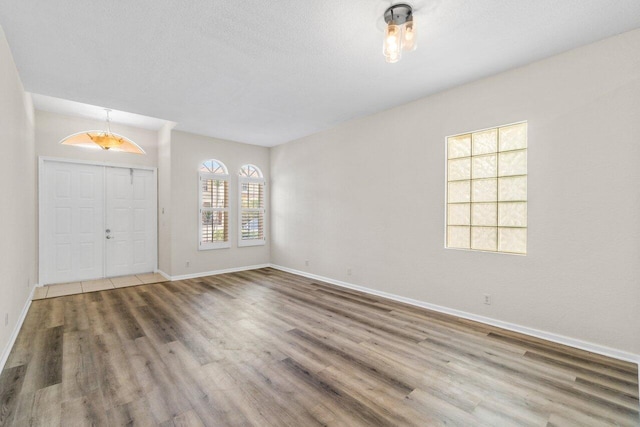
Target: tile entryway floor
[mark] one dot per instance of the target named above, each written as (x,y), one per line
(63,289)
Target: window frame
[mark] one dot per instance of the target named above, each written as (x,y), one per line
(205,246)
(498,202)
(260,180)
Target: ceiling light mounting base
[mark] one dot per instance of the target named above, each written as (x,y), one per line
(398,14)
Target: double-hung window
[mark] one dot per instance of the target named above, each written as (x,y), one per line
(214,205)
(251,212)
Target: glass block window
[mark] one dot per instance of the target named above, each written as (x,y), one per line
(252,206)
(487,190)
(213,205)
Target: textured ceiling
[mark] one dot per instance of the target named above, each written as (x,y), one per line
(267,72)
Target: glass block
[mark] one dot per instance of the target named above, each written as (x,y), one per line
(485,142)
(484,238)
(513,137)
(459,214)
(484,214)
(512,188)
(512,240)
(484,190)
(459,169)
(459,146)
(458,237)
(512,214)
(512,163)
(485,166)
(459,192)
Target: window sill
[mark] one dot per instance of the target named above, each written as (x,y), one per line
(212,246)
(247,243)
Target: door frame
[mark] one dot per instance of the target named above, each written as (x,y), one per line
(41,203)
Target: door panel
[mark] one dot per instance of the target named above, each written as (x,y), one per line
(73,216)
(79,204)
(131,219)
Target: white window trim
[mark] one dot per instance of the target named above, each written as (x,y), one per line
(218,245)
(252,242)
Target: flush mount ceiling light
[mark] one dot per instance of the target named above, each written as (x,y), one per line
(400,33)
(104,139)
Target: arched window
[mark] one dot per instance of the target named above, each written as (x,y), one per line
(214,167)
(214,205)
(251,210)
(250,171)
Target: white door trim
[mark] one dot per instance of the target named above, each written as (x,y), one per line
(41,237)
(42,159)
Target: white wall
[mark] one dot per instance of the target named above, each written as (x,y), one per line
(51,128)
(188,151)
(17,210)
(164,198)
(369,195)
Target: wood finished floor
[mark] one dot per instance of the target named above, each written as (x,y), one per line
(270,348)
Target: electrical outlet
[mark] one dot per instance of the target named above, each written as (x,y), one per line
(487,299)
(186,264)
(348,272)
(306,262)
(6,319)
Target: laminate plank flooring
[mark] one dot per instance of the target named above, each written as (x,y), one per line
(265,348)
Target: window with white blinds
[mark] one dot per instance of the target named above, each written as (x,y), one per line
(487,190)
(214,205)
(252,206)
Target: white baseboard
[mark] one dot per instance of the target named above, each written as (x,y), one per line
(16,330)
(163,274)
(215,272)
(560,339)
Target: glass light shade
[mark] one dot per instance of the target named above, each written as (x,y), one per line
(393,58)
(105,140)
(392,43)
(409,36)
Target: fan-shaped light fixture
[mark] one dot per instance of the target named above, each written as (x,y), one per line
(400,33)
(104,139)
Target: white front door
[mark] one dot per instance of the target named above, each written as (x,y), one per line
(130,231)
(72,222)
(96,221)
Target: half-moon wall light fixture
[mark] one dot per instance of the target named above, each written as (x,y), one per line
(104,139)
(400,33)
